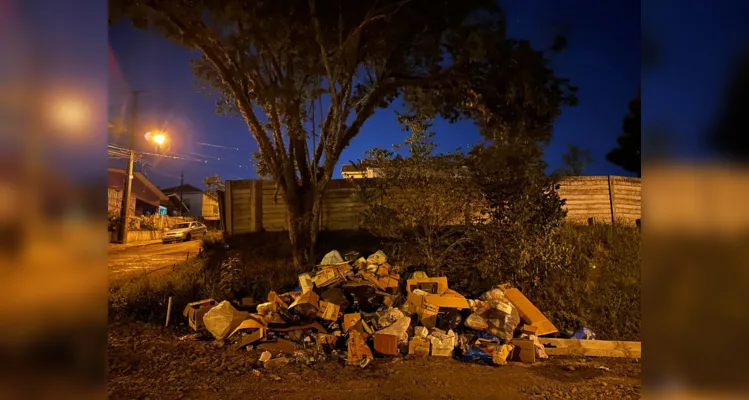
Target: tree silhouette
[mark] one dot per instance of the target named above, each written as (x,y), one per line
(627,155)
(730,135)
(281,65)
(575,160)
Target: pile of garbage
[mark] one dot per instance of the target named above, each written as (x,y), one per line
(353,309)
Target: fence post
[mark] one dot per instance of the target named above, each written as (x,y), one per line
(227,206)
(612,200)
(257,205)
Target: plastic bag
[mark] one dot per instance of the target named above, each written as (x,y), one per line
(584,334)
(222,319)
(476,322)
(332,258)
(476,354)
(389,317)
(377,258)
(399,329)
(448,318)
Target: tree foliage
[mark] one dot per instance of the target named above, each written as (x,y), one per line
(729,132)
(627,154)
(575,160)
(214,183)
(306,75)
(419,198)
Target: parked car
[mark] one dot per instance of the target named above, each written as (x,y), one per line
(184,231)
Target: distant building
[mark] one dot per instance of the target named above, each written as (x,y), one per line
(200,204)
(350,171)
(145,197)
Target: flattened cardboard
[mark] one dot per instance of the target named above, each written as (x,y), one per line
(419,347)
(352,321)
(358,351)
(253,322)
(305,282)
(314,325)
(329,311)
(447,301)
(422,283)
(309,299)
(529,313)
(529,329)
(386,344)
(276,300)
(326,277)
(278,346)
(414,302)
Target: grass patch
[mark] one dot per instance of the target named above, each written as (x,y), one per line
(584,276)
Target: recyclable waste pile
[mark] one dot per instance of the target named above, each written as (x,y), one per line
(354,309)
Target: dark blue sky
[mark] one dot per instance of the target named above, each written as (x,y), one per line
(603,60)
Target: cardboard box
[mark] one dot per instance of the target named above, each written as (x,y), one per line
(447,301)
(386,344)
(524,350)
(305,282)
(307,304)
(428,315)
(328,311)
(254,337)
(352,321)
(442,345)
(195,312)
(358,351)
(429,285)
(529,329)
(276,301)
(419,347)
(529,313)
(326,277)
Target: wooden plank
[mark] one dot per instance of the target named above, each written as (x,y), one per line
(591,348)
(612,198)
(229,215)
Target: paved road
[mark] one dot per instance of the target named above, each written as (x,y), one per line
(131,261)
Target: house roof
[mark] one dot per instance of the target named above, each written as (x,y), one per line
(177,203)
(186,188)
(352,168)
(143,189)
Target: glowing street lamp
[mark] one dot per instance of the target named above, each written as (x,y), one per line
(159,138)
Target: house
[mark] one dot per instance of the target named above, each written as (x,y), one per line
(200,203)
(358,172)
(145,197)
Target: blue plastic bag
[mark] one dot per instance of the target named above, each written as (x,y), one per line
(476,354)
(488,336)
(584,334)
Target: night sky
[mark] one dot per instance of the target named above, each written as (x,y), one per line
(602,60)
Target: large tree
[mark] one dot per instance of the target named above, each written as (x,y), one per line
(575,160)
(627,154)
(306,75)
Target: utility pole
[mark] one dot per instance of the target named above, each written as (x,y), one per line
(181,183)
(125,208)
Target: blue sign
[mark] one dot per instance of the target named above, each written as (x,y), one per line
(162,210)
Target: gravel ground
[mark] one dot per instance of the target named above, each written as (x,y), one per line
(150,362)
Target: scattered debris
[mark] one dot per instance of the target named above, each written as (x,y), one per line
(195,312)
(357,304)
(584,334)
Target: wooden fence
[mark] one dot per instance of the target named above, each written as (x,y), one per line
(254,206)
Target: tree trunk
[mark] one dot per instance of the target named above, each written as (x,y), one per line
(303,222)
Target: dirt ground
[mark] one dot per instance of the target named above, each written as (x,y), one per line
(150,362)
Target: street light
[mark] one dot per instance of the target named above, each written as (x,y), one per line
(159,138)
